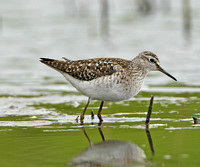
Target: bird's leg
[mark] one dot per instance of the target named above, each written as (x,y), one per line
(83,113)
(99,112)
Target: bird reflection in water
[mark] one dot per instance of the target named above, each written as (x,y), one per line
(113,153)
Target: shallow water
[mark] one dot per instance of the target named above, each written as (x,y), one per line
(38,107)
(45,133)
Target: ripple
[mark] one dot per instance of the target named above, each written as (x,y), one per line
(24,123)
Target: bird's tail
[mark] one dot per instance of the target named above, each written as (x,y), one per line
(55,64)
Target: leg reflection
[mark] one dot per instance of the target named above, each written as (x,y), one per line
(100,131)
(147,125)
(149,139)
(87,137)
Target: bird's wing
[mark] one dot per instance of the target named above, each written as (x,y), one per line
(88,69)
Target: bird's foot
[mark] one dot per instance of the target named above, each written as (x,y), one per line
(100,118)
(81,118)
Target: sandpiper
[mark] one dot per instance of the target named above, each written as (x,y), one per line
(107,79)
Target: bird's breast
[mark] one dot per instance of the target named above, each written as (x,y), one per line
(107,88)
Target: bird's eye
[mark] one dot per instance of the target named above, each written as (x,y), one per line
(152,60)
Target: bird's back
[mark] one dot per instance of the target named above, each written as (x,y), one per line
(88,69)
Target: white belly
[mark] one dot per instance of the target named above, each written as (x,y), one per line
(105,89)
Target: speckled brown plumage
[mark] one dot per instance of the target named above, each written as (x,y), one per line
(88,69)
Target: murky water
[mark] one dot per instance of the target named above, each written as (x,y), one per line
(38,107)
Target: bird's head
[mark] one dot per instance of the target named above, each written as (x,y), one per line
(150,62)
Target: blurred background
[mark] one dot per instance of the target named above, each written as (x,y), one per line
(81,29)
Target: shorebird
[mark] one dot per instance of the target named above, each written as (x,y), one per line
(107,79)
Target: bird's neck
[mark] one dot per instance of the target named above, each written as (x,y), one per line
(138,65)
